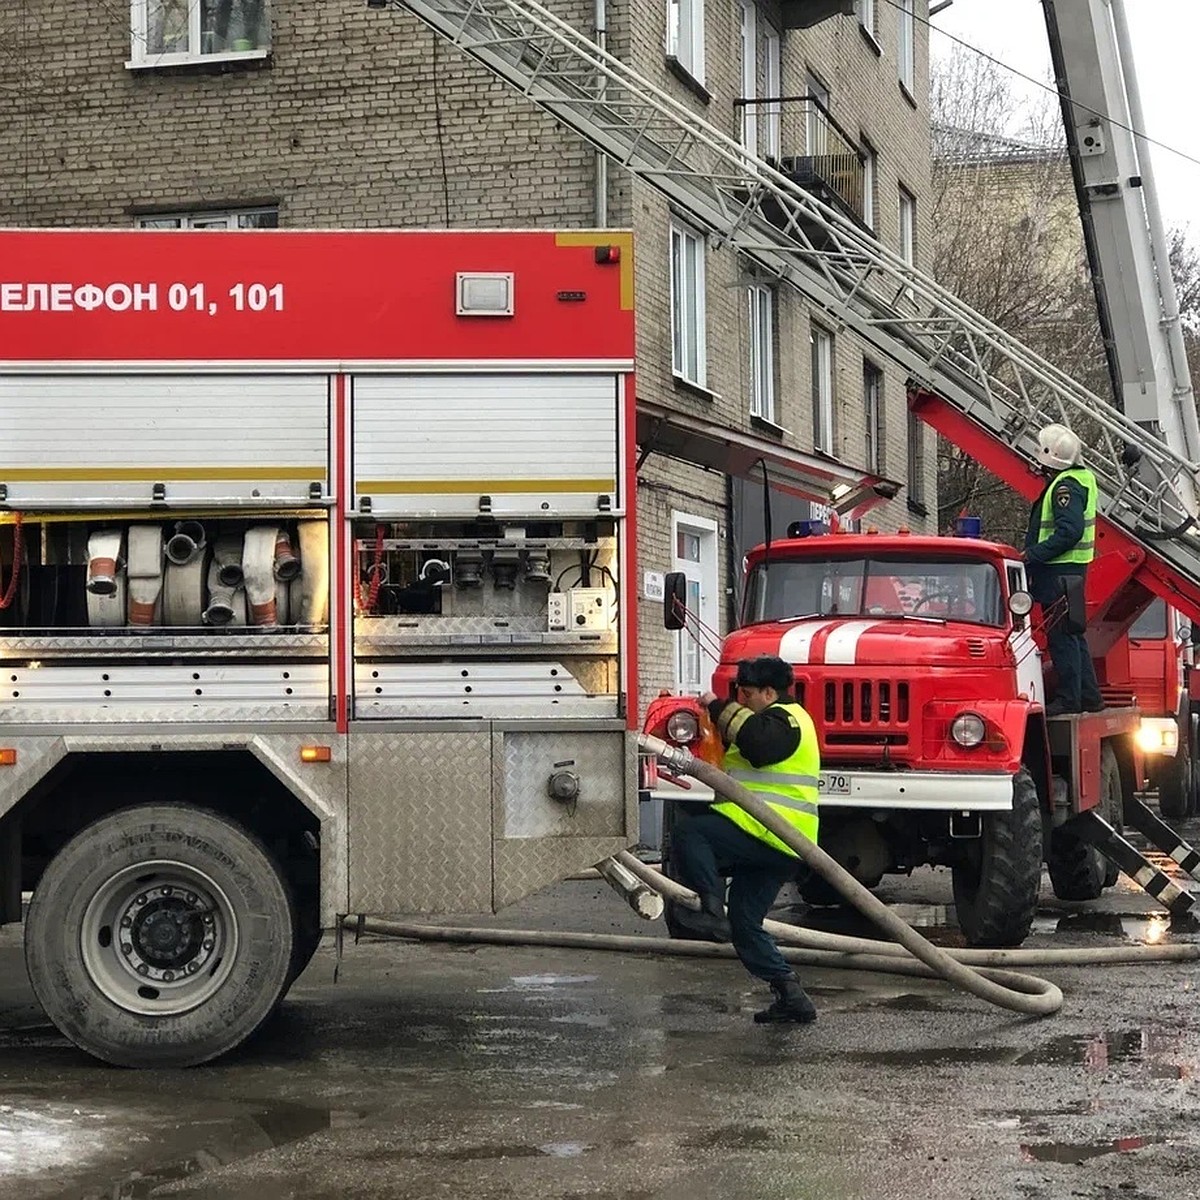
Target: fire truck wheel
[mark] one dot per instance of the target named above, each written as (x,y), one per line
(1078,871)
(1177,780)
(997,881)
(160,936)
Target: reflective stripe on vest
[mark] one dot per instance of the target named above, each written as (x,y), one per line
(1084,550)
(789,787)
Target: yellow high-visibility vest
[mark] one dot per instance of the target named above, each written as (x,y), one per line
(789,787)
(1084,550)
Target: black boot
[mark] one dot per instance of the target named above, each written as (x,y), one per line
(710,922)
(791,1004)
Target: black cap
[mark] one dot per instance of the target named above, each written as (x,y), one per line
(765,671)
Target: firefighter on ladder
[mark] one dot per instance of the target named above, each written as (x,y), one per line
(1060,541)
(771,749)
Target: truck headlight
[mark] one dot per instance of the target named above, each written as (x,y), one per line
(1158,735)
(968,729)
(683,727)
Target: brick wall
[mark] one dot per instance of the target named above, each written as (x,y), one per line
(362,119)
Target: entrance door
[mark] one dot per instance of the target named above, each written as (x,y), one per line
(697,646)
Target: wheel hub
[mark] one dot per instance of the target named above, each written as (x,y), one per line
(167,931)
(159,938)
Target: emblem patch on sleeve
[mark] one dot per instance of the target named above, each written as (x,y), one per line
(1062,497)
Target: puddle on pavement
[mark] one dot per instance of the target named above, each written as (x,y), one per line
(1149,928)
(933,1056)
(254,1133)
(1096,1052)
(1074,1153)
(481,1153)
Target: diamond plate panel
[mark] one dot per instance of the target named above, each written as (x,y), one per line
(162,714)
(420,821)
(35,757)
(606,762)
(526,762)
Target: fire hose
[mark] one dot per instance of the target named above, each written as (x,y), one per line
(982,973)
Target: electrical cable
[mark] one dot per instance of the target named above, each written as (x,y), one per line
(1044,86)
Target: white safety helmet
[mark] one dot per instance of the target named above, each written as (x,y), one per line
(1058,448)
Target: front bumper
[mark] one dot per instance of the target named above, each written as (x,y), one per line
(924,791)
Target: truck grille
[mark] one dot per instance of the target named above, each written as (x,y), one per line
(863,711)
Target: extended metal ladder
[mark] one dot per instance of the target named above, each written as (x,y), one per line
(944,346)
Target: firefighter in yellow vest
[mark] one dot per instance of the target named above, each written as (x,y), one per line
(1059,543)
(772,749)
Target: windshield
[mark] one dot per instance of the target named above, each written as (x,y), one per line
(956,589)
(1152,623)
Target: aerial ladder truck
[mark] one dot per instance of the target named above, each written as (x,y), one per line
(968,378)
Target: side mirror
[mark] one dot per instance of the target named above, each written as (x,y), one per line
(1020,604)
(675,600)
(1184,634)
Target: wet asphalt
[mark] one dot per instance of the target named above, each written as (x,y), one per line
(431,1070)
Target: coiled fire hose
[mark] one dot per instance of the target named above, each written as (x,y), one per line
(979,972)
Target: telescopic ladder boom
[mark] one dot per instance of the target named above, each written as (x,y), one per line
(985,380)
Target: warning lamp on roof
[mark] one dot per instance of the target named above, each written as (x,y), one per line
(968,527)
(802,529)
(484,293)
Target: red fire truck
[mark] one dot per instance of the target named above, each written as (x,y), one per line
(315,558)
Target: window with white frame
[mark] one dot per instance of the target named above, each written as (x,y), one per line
(906,46)
(163,32)
(873,415)
(696,556)
(685,35)
(822,388)
(908,226)
(244,218)
(866,15)
(688,349)
(916,460)
(870,177)
(773,82)
(761,313)
(749,43)
(816,124)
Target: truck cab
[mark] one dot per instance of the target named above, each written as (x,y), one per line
(917,658)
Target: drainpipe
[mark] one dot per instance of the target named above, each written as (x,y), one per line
(601,196)
(145,574)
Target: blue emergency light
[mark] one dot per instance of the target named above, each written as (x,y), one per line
(971,527)
(803,529)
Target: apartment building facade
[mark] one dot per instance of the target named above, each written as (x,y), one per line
(280,113)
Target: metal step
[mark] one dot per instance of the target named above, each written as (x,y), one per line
(741,201)
(1113,846)
(1162,837)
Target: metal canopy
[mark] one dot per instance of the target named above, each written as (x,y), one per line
(812,477)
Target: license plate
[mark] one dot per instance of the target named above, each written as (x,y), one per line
(829,784)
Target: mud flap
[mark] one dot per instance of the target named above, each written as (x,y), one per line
(1140,869)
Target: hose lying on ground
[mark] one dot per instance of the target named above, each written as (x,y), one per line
(975,971)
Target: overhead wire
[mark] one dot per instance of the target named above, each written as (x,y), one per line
(1046,87)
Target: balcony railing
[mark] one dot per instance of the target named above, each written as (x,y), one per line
(799,135)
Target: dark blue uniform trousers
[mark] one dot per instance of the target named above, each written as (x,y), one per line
(1077,683)
(707,846)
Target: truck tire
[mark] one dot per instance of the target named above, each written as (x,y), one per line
(996,884)
(160,936)
(1078,871)
(1176,782)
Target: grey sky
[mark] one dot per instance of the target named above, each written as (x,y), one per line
(1165,34)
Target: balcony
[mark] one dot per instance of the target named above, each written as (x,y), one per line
(798,135)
